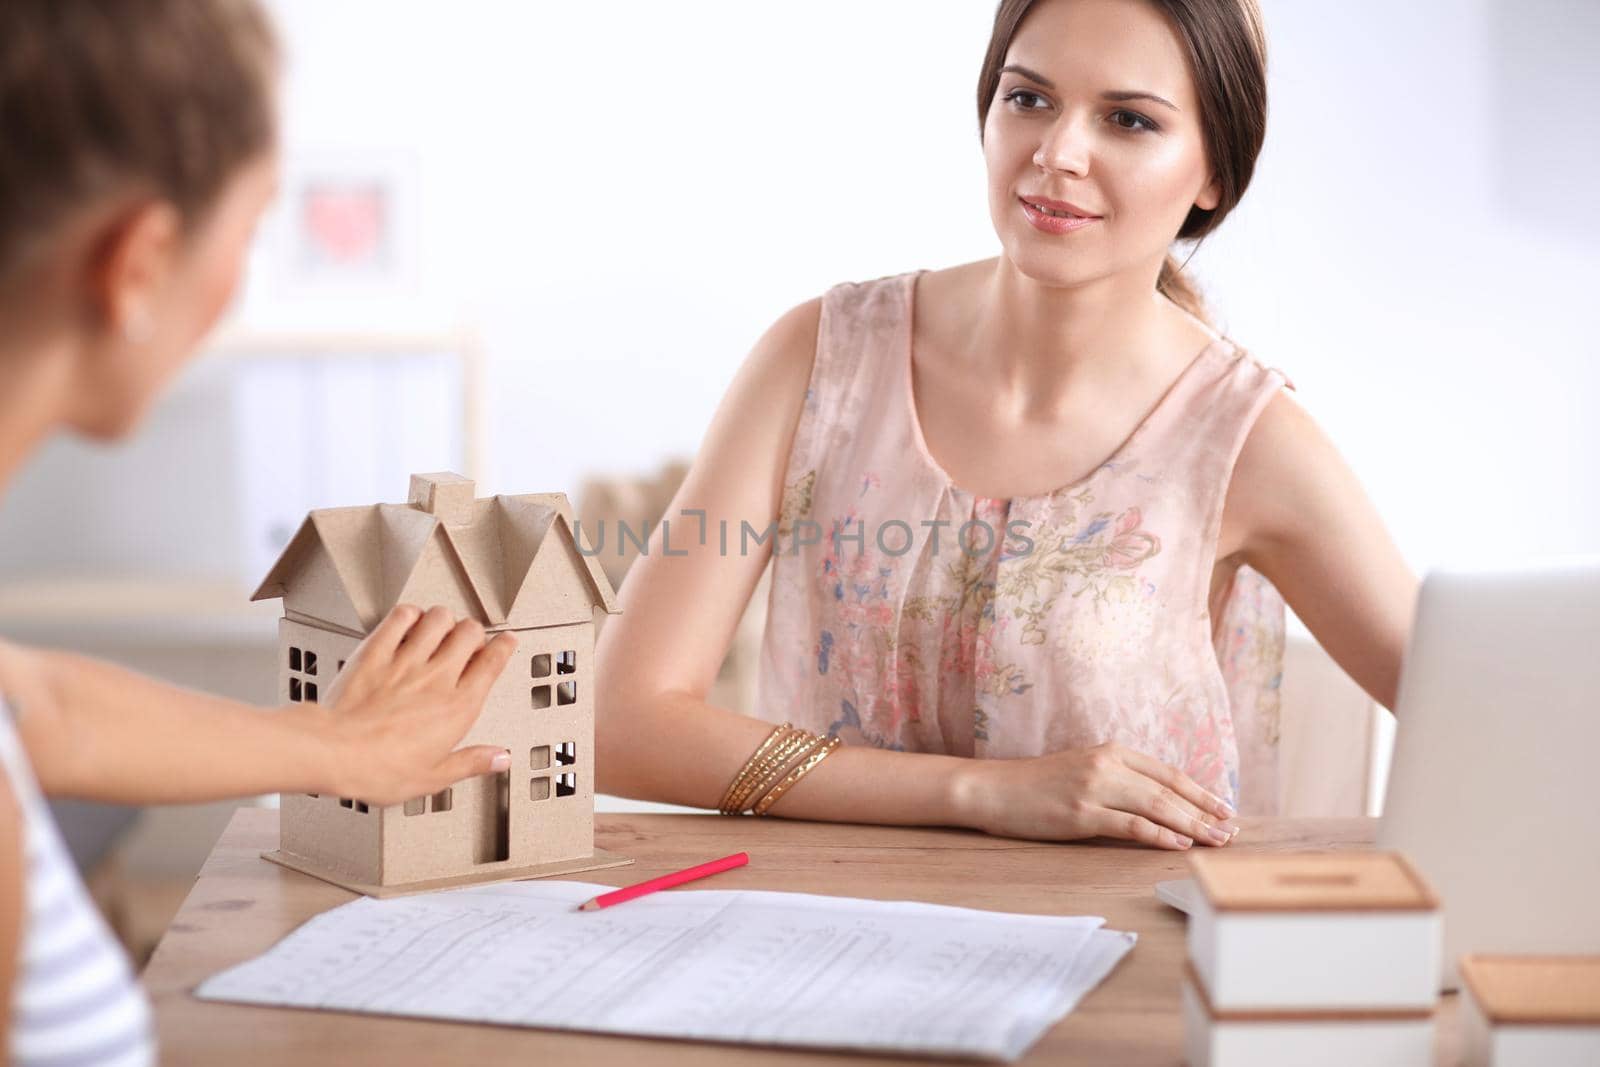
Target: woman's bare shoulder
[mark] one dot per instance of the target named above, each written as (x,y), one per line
(1284,458)
(779,363)
(954,285)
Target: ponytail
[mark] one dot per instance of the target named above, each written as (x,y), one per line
(1177,287)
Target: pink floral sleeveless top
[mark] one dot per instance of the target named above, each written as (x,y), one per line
(907,613)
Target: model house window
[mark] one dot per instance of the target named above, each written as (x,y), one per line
(419,805)
(567,662)
(302,661)
(358,806)
(567,752)
(567,785)
(539,789)
(539,758)
(541,696)
(566,693)
(541,665)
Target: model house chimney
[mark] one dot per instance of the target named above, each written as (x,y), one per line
(449,496)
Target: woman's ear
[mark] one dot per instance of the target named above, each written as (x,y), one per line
(1210,196)
(130,266)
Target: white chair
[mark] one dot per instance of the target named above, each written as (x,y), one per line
(1335,739)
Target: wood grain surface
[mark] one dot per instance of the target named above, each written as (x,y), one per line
(241,905)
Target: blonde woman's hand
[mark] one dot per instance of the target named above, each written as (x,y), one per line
(395,714)
(1105,791)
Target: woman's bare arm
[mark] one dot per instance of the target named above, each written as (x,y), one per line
(386,731)
(1310,528)
(657,737)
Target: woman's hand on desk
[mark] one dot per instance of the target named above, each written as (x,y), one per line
(403,702)
(1105,791)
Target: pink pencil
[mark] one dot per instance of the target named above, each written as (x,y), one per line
(666,881)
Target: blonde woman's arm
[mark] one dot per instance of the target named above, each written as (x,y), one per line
(1310,528)
(658,738)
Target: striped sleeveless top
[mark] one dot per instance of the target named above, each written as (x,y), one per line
(75,1002)
(908,613)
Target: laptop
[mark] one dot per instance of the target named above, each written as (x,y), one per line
(1494,790)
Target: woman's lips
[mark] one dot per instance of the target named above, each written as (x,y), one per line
(1054,224)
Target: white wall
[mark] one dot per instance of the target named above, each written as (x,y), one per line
(622,196)
(623,203)
(1443,338)
(625,195)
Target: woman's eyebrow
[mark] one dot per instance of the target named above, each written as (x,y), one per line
(1117,95)
(1121,95)
(1031,75)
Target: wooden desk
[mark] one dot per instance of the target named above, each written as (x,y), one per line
(242,904)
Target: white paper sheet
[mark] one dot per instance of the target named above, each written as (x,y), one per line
(717,965)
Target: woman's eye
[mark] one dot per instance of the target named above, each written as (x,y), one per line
(1014,95)
(1139,122)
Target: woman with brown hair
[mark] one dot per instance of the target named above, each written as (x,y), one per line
(1029,516)
(138,154)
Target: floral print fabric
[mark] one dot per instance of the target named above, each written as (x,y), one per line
(910,614)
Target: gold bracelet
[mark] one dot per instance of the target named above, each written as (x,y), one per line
(772,768)
(780,759)
(794,749)
(820,753)
(760,767)
(749,764)
(764,805)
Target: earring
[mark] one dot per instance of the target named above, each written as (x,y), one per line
(136,327)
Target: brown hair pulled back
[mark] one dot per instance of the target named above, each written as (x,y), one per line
(99,98)
(1227,46)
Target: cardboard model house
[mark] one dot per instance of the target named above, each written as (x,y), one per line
(512,563)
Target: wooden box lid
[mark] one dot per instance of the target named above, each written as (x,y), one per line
(1535,990)
(1310,881)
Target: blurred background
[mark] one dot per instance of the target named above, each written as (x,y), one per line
(532,243)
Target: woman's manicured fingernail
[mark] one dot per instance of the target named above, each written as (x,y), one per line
(501,762)
(1224,809)
(1183,842)
(1218,835)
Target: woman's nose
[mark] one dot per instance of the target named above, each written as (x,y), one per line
(1064,149)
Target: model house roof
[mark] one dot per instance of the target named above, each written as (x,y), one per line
(510,562)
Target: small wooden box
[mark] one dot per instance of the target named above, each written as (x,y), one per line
(1351,931)
(1530,1010)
